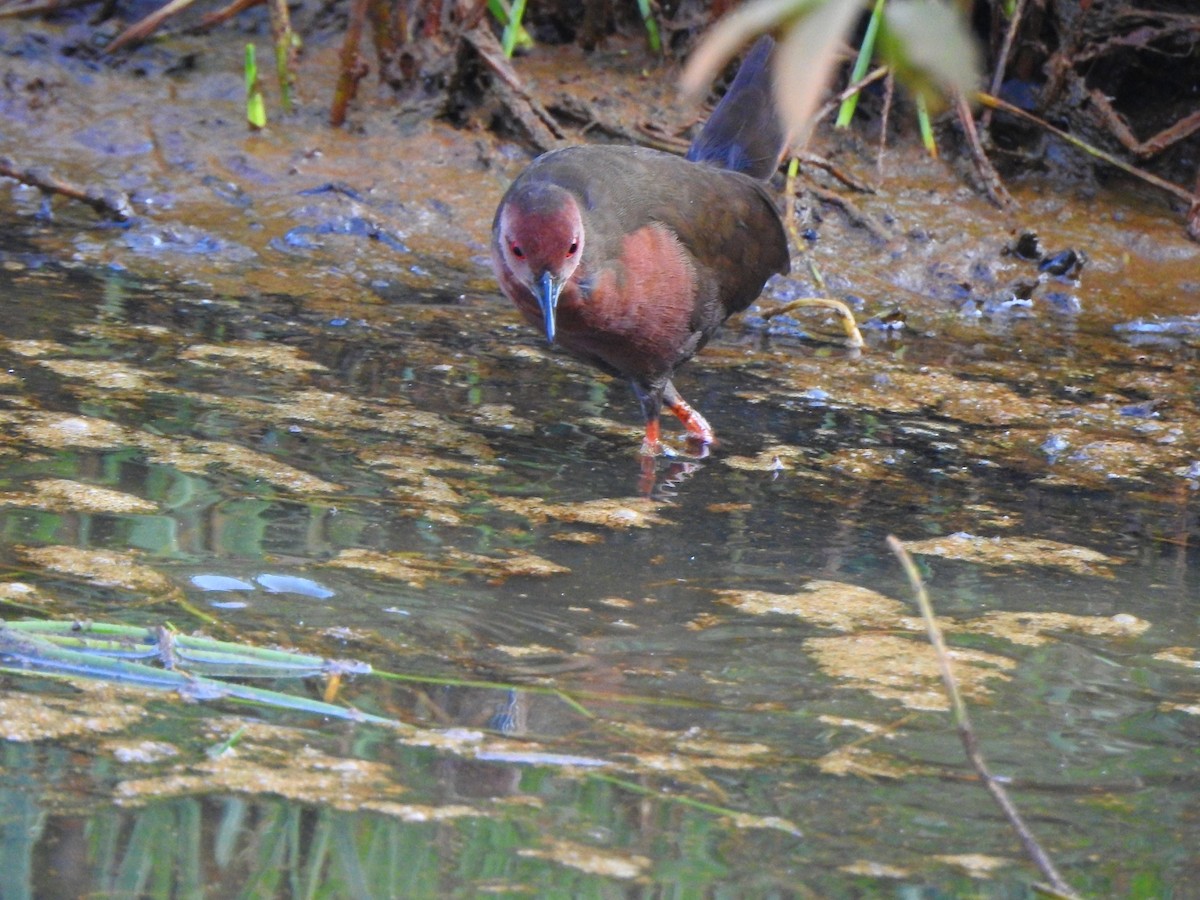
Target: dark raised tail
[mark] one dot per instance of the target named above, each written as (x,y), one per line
(744,133)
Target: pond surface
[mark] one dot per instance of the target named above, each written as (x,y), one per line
(719,687)
(285,429)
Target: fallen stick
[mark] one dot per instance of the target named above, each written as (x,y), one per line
(110,203)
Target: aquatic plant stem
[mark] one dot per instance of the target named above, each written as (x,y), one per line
(966,732)
(926,127)
(287,44)
(653,39)
(572,699)
(789,200)
(351,68)
(502,13)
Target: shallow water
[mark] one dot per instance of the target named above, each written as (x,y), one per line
(275,444)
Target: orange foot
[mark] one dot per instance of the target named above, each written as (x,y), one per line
(652,444)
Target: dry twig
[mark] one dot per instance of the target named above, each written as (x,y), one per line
(543,131)
(1153,145)
(854,338)
(225,13)
(110,203)
(889,95)
(1010,35)
(995,188)
(857,216)
(144,27)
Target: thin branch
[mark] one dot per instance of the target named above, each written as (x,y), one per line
(1152,146)
(854,338)
(836,100)
(889,94)
(858,216)
(109,203)
(351,67)
(541,127)
(225,13)
(837,172)
(995,188)
(145,26)
(1010,35)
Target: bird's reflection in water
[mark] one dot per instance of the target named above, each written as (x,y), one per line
(665,485)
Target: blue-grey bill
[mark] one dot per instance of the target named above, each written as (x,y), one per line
(547,296)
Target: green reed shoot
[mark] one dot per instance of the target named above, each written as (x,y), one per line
(256,110)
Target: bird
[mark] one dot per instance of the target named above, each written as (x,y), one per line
(631,258)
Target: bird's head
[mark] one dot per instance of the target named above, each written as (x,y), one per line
(539,237)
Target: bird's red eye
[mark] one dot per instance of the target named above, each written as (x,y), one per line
(574,246)
(517,251)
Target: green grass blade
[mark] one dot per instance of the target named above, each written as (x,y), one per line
(652,35)
(34,655)
(866,51)
(513,28)
(212,656)
(926,127)
(256,109)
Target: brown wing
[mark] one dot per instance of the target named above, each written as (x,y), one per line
(672,249)
(726,220)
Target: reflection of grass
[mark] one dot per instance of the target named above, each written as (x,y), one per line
(259,849)
(161,658)
(256,846)
(272,848)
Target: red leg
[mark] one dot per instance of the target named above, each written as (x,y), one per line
(652,399)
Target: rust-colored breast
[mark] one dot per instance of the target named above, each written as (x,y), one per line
(633,314)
